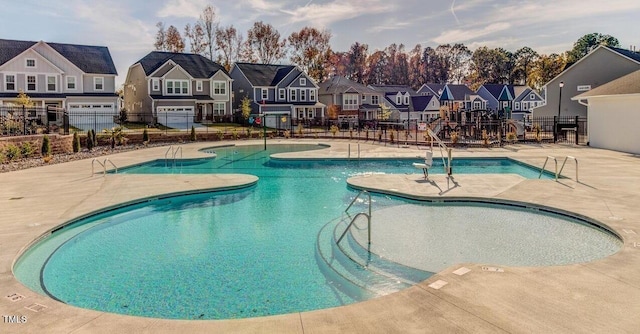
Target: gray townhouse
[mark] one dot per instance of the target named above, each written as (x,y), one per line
(354,102)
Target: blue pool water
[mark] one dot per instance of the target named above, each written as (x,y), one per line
(233,254)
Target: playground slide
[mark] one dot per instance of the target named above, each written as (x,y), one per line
(519,125)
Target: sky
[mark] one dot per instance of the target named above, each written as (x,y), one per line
(128,28)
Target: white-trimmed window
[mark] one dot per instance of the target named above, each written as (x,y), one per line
(363,98)
(219,108)
(32,83)
(517,106)
(219,88)
(30,62)
(532,97)
(265,94)
(198,85)
(399,99)
(177,87)
(374,99)
(282,95)
(406,99)
(155,84)
(303,81)
(98,83)
(312,95)
(293,96)
(303,95)
(71,83)
(10,82)
(350,101)
(52,83)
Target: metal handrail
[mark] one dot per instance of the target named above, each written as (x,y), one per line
(353,221)
(93,162)
(166,154)
(545,165)
(112,164)
(179,148)
(565,161)
(368,215)
(446,164)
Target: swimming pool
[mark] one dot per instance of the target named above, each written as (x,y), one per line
(233,254)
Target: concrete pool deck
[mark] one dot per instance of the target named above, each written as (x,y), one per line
(599,296)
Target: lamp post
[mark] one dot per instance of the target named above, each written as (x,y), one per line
(557,119)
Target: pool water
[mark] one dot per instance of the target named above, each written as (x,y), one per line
(222,255)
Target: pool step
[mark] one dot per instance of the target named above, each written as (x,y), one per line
(356,271)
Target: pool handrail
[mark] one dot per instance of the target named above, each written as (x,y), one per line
(446,164)
(103,164)
(545,165)
(565,161)
(368,215)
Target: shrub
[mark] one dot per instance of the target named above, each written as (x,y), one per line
(512,137)
(334,129)
(454,137)
(90,142)
(76,143)
(193,133)
(46,146)
(235,134)
(220,135)
(12,152)
(2,157)
(27,149)
(95,139)
(485,138)
(145,136)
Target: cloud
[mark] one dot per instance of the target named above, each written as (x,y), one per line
(182,8)
(471,33)
(325,14)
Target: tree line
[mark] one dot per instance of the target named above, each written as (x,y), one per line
(310,49)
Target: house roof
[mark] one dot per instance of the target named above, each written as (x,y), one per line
(628,84)
(88,58)
(436,89)
(627,53)
(458,92)
(421,102)
(494,89)
(265,75)
(339,84)
(196,65)
(393,88)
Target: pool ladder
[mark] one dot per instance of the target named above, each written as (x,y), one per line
(172,152)
(103,164)
(558,173)
(353,220)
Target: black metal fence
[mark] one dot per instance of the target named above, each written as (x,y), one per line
(23,120)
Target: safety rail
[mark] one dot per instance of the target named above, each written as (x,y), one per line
(565,161)
(103,164)
(171,153)
(446,163)
(349,152)
(368,215)
(545,165)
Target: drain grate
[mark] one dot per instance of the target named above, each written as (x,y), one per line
(438,284)
(493,269)
(35,307)
(462,271)
(15,297)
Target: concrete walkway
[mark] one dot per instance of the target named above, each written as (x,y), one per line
(600,296)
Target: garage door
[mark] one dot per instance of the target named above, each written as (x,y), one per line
(176,117)
(95,116)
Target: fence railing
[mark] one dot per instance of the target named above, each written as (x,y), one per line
(21,121)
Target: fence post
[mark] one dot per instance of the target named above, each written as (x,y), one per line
(555,129)
(577,129)
(24,120)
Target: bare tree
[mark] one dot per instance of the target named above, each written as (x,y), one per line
(229,43)
(209,26)
(310,50)
(264,44)
(161,38)
(195,38)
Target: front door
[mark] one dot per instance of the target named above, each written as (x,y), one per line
(200,113)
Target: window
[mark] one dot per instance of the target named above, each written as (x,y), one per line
(374,99)
(98,83)
(350,102)
(406,99)
(303,95)
(303,81)
(155,84)
(199,86)
(398,99)
(265,94)
(363,98)
(312,95)
(293,95)
(10,82)
(219,88)
(177,87)
(31,83)
(219,108)
(30,62)
(51,84)
(71,83)
(517,106)
(281,94)
(532,97)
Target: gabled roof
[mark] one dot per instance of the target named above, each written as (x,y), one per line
(88,58)
(264,75)
(196,65)
(436,89)
(627,53)
(339,84)
(456,92)
(628,84)
(506,94)
(421,102)
(494,89)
